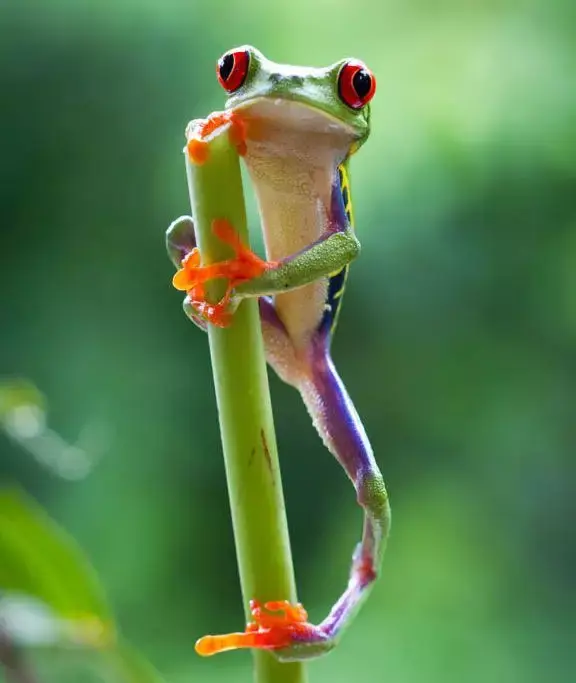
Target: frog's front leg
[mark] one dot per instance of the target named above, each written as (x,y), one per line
(333,250)
(180,244)
(248,275)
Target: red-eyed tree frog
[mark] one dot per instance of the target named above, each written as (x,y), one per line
(296,129)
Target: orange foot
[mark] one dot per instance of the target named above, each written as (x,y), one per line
(277,625)
(197,145)
(192,277)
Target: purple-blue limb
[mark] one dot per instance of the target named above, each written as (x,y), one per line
(312,372)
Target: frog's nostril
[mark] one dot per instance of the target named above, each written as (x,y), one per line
(292,80)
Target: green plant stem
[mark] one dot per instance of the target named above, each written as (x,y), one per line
(244,408)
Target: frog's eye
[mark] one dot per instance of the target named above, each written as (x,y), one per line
(356,84)
(232,69)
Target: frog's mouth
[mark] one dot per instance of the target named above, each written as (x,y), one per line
(294,124)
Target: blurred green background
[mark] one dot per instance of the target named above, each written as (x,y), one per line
(457,339)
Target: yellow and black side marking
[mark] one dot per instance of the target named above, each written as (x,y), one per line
(337,282)
(345,190)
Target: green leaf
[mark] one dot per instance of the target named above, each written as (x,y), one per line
(38,559)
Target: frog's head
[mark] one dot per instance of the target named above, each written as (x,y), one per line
(331,101)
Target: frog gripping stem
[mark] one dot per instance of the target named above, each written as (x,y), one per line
(192,276)
(274,626)
(294,321)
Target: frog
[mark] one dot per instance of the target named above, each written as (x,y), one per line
(296,129)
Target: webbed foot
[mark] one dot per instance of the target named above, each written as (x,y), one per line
(278,626)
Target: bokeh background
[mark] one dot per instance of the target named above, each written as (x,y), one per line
(457,338)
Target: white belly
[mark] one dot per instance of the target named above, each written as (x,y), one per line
(293,195)
(292,155)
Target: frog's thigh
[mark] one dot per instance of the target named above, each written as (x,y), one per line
(280,352)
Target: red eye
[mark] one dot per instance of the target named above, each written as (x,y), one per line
(356,84)
(232,69)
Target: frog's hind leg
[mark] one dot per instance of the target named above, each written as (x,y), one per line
(339,425)
(313,373)
(180,239)
(180,242)
(280,352)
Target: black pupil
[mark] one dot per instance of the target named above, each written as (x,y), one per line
(362,82)
(226,66)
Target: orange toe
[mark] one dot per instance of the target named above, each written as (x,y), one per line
(212,645)
(246,265)
(216,120)
(198,151)
(225,231)
(181,281)
(192,273)
(293,613)
(197,146)
(216,314)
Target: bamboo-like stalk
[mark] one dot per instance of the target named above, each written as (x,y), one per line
(244,408)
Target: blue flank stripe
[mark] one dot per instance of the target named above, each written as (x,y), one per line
(342,213)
